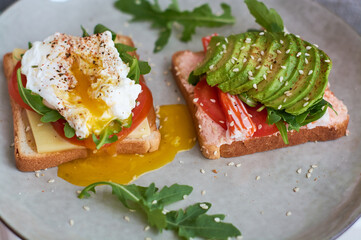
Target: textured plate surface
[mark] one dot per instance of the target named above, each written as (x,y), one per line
(326,204)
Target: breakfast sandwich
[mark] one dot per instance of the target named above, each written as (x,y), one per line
(72,96)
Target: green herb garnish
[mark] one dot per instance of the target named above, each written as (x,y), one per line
(202,16)
(189,223)
(267,18)
(68,130)
(85,33)
(106,136)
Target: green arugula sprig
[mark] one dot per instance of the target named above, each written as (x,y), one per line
(202,16)
(280,118)
(36,102)
(269,19)
(189,223)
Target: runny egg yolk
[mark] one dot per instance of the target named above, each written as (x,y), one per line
(83,95)
(177,133)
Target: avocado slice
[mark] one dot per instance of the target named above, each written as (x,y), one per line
(317,91)
(305,81)
(264,67)
(289,80)
(287,58)
(219,72)
(213,55)
(251,53)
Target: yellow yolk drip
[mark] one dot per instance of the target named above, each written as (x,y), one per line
(81,95)
(177,133)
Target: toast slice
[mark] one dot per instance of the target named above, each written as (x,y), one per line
(212,137)
(28,159)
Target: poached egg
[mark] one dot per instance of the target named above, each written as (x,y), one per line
(83,78)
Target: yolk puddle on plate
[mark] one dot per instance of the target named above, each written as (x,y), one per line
(177,133)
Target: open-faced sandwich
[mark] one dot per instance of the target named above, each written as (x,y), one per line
(72,96)
(257,91)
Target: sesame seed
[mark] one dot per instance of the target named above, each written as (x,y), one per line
(37,175)
(252,57)
(199,126)
(126,218)
(281,41)
(288,93)
(259,126)
(315,45)
(248,40)
(283,67)
(146,228)
(40,124)
(221,121)
(284,100)
(244,60)
(242,47)
(78,192)
(201,104)
(235,70)
(261,33)
(218,43)
(285,34)
(195,100)
(71,222)
(299,170)
(296,189)
(250,78)
(213,100)
(306,98)
(255,86)
(27,129)
(278,51)
(258,66)
(154,202)
(270,67)
(327,60)
(231,124)
(51,180)
(202,171)
(203,192)
(86,208)
(288,51)
(203,206)
(259,60)
(307,54)
(300,71)
(286,83)
(230,164)
(298,54)
(264,76)
(211,67)
(224,46)
(262,53)
(305,104)
(310,72)
(234,58)
(229,112)
(308,175)
(314,166)
(238,164)
(308,47)
(297,36)
(258,178)
(226,39)
(306,60)
(288,213)
(250,73)
(281,78)
(279,107)
(217,219)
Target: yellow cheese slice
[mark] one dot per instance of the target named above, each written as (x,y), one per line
(48,140)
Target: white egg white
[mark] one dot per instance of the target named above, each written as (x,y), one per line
(83,78)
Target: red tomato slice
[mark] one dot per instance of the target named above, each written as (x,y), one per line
(14,90)
(260,120)
(207,97)
(238,120)
(206,40)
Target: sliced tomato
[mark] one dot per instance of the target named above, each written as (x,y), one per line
(140,112)
(14,90)
(206,40)
(260,120)
(207,97)
(239,122)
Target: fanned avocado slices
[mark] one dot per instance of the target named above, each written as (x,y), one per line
(279,70)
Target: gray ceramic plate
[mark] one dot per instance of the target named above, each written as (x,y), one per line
(322,209)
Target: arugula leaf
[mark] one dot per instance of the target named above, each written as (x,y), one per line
(100,28)
(189,223)
(51,116)
(85,33)
(269,19)
(202,16)
(68,130)
(30,45)
(280,117)
(106,136)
